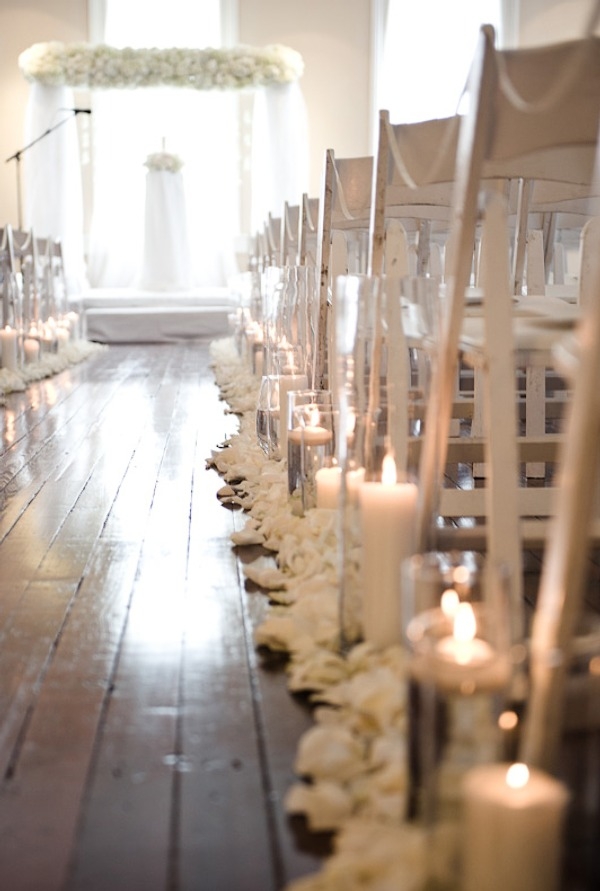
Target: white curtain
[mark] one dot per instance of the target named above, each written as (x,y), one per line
(127,125)
(428,48)
(52,203)
(200,127)
(279,150)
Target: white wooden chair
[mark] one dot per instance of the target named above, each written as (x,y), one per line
(342,239)
(564,571)
(289,237)
(8,275)
(524,104)
(308,230)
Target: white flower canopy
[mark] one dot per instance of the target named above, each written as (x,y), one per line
(106,67)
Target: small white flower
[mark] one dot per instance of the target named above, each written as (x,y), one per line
(164,161)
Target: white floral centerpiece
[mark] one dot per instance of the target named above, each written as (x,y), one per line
(163,161)
(102,66)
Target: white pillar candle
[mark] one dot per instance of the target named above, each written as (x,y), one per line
(328,487)
(512,832)
(354,478)
(310,435)
(8,339)
(287,382)
(388,521)
(31,349)
(73,319)
(62,336)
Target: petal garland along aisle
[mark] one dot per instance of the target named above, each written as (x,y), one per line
(353,761)
(49,364)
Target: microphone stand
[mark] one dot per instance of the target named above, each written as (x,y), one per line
(17,157)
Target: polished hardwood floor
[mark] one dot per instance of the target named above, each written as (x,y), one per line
(142,746)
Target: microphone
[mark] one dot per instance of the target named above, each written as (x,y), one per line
(81,110)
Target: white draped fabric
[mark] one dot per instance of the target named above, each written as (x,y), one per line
(279,150)
(52,185)
(127,125)
(166,260)
(199,127)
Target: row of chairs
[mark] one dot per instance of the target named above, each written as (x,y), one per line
(32,279)
(489,201)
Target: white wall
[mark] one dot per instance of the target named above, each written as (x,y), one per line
(551,21)
(333,37)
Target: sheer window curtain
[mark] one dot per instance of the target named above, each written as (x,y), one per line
(52,183)
(126,125)
(200,127)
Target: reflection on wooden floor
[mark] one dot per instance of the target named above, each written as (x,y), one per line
(140,746)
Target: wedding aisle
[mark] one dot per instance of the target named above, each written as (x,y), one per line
(142,745)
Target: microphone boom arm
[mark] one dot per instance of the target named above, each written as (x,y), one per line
(17,155)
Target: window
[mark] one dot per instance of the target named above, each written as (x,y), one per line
(427,51)
(200,127)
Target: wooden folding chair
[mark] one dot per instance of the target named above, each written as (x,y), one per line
(308,230)
(564,570)
(290,225)
(523,104)
(342,240)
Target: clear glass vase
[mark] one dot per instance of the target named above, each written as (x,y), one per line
(371,388)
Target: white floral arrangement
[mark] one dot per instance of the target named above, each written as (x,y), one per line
(164,161)
(101,66)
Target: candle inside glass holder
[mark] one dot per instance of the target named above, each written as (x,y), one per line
(456,623)
(290,370)
(462,651)
(295,417)
(311,445)
(388,520)
(267,415)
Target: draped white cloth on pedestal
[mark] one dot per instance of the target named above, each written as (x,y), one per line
(166,261)
(52,188)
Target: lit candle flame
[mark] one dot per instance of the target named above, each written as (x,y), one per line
(449,602)
(388,471)
(517,776)
(465,626)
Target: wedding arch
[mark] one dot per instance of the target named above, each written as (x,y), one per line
(55,70)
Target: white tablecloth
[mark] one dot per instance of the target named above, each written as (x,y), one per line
(166,259)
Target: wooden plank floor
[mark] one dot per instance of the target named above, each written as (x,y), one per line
(141,745)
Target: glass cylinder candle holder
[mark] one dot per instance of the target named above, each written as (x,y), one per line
(291,375)
(297,308)
(459,669)
(267,415)
(311,446)
(388,513)
(369,385)
(298,399)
